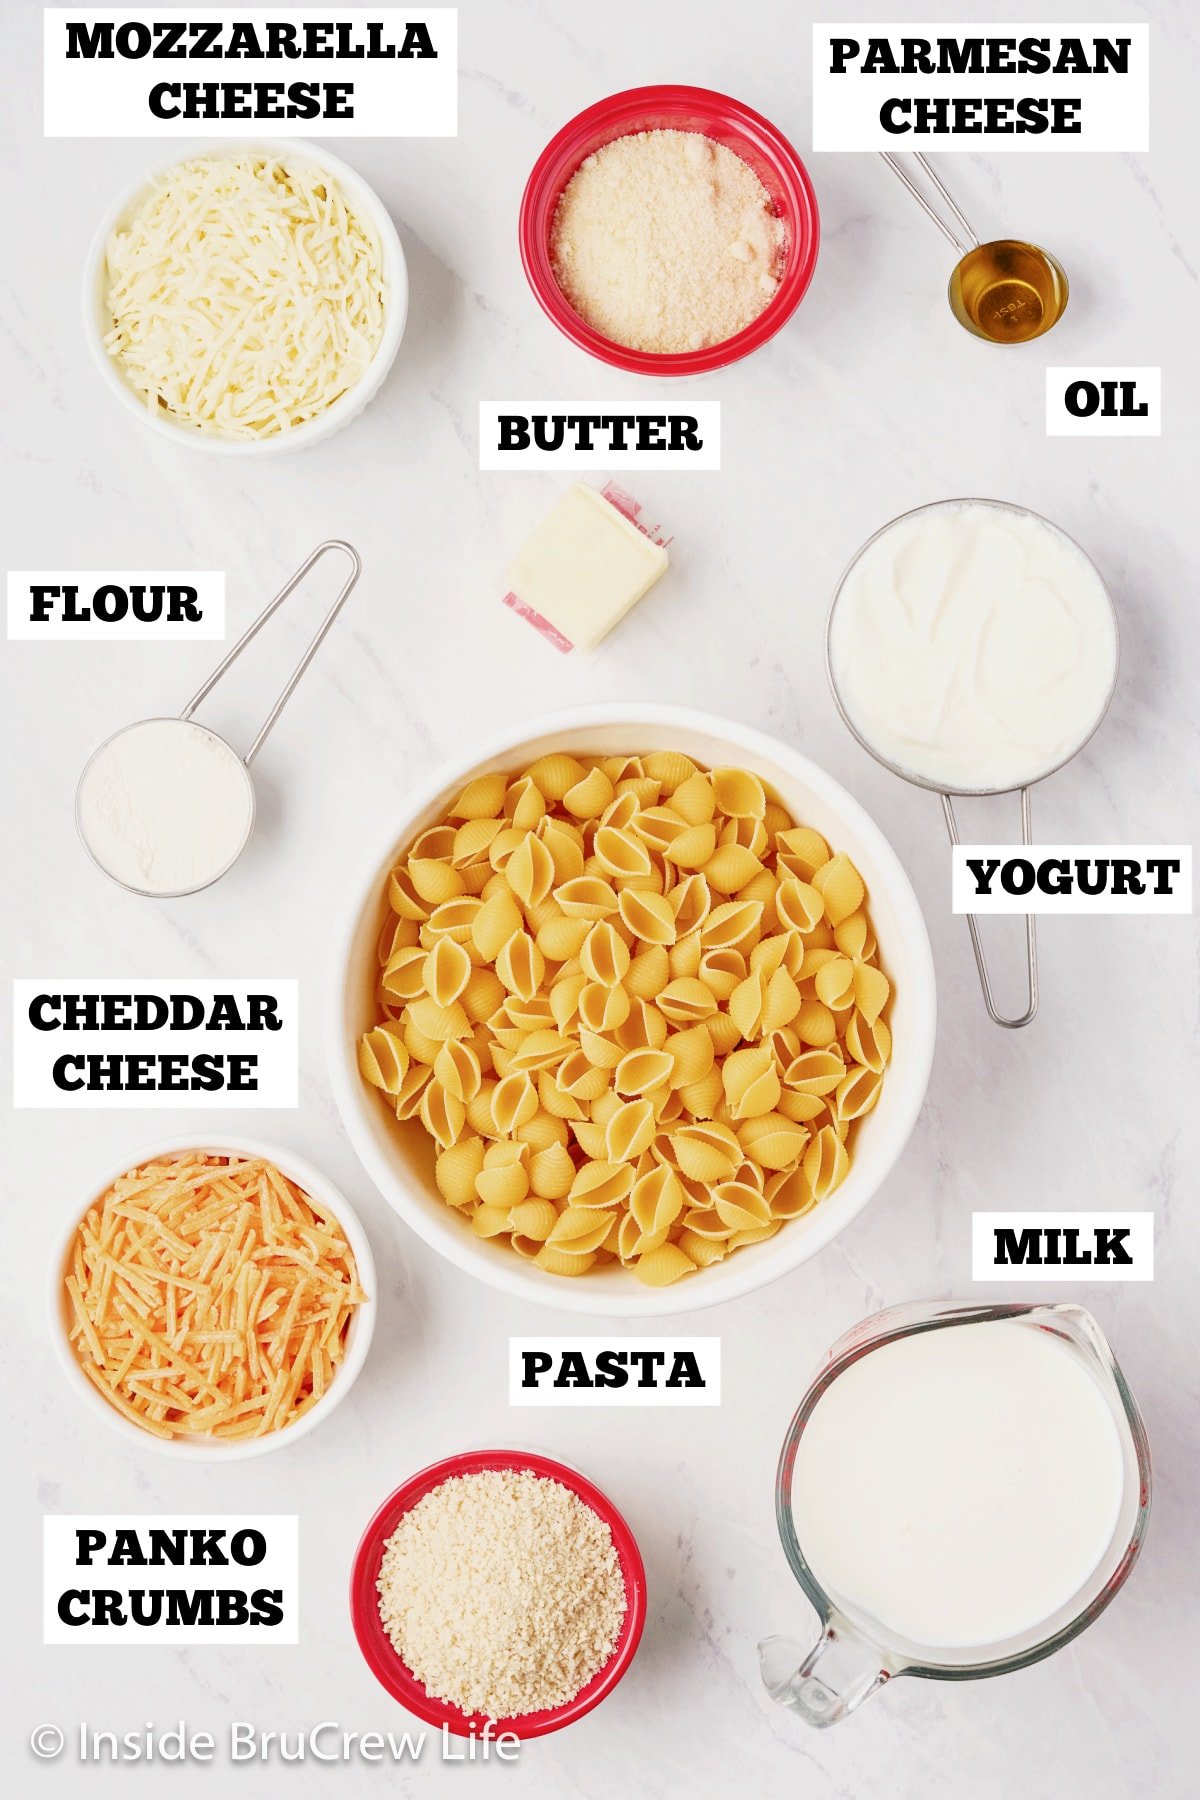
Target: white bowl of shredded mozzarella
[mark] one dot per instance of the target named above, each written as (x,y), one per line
(246,299)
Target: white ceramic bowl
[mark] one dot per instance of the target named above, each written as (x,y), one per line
(400,1159)
(358,1335)
(96,320)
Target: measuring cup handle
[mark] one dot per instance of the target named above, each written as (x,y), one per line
(999,1018)
(957,230)
(253,629)
(838,1673)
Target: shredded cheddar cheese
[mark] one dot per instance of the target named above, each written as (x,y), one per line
(209,1296)
(246,295)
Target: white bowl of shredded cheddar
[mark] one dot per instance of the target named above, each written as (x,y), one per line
(247,298)
(633,1012)
(214,1299)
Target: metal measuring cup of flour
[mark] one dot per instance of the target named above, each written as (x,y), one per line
(234,818)
(949,794)
(1005,291)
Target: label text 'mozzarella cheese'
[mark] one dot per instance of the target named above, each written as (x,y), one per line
(365,71)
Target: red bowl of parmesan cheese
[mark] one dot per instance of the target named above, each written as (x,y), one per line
(507,1579)
(597,237)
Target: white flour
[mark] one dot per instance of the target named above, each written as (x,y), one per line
(165,806)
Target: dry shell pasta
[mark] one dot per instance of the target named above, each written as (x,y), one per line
(636,1007)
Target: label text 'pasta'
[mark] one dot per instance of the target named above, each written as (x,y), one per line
(624,1371)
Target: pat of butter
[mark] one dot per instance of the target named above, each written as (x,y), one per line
(582,569)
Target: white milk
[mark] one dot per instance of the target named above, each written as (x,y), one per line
(973,645)
(960,1485)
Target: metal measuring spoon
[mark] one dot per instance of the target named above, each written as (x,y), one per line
(1005,291)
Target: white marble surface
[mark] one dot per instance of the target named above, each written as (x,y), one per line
(870,402)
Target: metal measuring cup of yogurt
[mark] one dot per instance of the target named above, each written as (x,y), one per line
(972,648)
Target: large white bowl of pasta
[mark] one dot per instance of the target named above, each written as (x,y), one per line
(633,1010)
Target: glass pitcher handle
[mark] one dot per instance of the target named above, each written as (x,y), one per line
(838,1673)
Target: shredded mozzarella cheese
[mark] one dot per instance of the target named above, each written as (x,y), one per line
(246,296)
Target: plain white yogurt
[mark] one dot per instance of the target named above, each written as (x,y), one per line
(973,645)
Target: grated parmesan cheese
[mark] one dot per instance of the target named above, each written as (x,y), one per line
(502,1592)
(246,295)
(666,241)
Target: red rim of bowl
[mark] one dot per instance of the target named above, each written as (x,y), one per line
(384,1660)
(669,107)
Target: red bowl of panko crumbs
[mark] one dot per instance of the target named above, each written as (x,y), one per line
(505,1577)
(789,208)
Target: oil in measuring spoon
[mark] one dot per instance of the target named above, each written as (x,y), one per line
(1008,291)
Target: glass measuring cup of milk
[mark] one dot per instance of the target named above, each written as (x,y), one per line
(962,1490)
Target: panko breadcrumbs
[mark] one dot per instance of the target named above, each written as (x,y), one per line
(502,1592)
